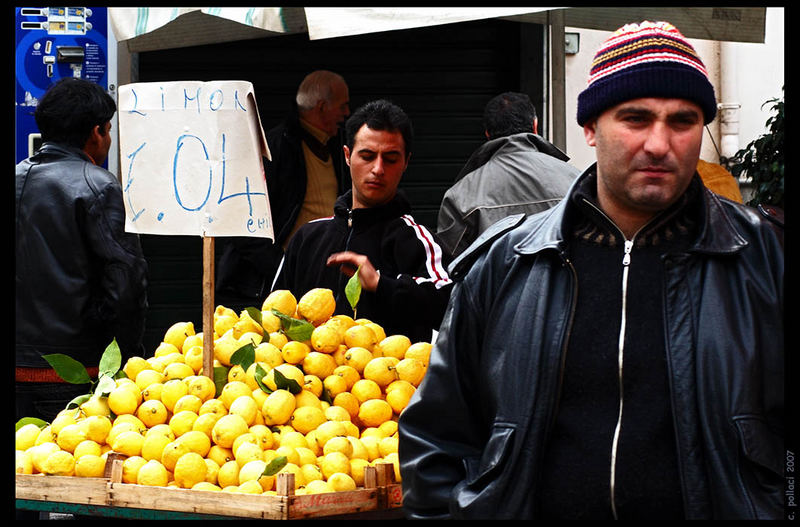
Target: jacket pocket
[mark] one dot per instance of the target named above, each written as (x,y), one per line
(761,471)
(759,444)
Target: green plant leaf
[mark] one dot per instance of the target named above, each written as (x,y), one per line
(105,383)
(68,368)
(353,291)
(111,361)
(293,328)
(275,466)
(30,420)
(284,383)
(79,400)
(254,313)
(220,379)
(244,356)
(259,375)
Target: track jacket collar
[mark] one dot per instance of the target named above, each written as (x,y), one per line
(395,208)
(718,235)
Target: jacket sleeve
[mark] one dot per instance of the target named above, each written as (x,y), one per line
(439,431)
(122,301)
(422,286)
(454,229)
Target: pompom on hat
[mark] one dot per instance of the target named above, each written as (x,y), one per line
(650,59)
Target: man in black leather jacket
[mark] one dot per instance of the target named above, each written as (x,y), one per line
(80,278)
(621,354)
(305,175)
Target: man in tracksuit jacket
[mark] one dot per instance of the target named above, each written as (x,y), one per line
(401,267)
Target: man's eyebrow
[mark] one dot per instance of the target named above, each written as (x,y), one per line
(633,110)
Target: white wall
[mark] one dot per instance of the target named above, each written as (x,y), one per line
(759,70)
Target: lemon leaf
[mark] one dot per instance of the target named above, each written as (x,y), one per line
(111,361)
(30,420)
(260,373)
(254,313)
(244,356)
(353,290)
(275,466)
(220,379)
(68,368)
(105,383)
(79,400)
(284,383)
(293,328)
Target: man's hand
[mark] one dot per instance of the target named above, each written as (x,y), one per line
(349,262)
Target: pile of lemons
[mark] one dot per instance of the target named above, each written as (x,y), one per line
(176,427)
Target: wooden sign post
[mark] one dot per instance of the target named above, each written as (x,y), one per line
(192,165)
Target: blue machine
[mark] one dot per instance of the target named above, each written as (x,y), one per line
(53,43)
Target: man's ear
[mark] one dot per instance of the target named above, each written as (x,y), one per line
(346,152)
(589,132)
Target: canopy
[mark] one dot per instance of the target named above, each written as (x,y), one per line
(149,28)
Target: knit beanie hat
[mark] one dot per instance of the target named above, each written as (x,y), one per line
(651,59)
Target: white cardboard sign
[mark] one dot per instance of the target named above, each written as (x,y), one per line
(191,159)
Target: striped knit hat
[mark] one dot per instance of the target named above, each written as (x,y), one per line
(651,59)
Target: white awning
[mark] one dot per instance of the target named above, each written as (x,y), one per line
(149,28)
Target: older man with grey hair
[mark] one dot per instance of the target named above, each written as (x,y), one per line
(304,178)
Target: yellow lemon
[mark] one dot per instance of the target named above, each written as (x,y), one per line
(326,338)
(224,319)
(245,406)
(357,358)
(87,447)
(395,461)
(213,406)
(311,472)
(192,341)
(340,481)
(420,351)
(278,407)
(348,373)
(388,427)
(153,446)
(246,324)
(193,357)
(202,387)
(190,469)
(39,453)
(247,452)
(399,397)
(23,463)
(293,438)
(269,354)
(337,413)
(90,466)
(334,462)
(182,422)
(147,377)
(313,384)
(197,442)
(411,370)
(96,405)
(307,398)
(152,412)
(177,333)
(387,445)
(131,419)
(373,412)
(348,401)
(225,346)
(61,420)
(228,474)
(247,437)
(318,364)
(152,473)
(334,384)
(165,348)
(189,402)
(26,436)
(117,429)
(131,467)
(59,463)
(212,470)
(366,389)
(338,444)
(97,428)
(381,370)
(173,451)
(236,373)
(232,391)
(360,336)
(263,436)
(128,443)
(282,300)
(162,430)
(178,370)
(328,430)
(220,455)
(254,471)
(133,366)
(298,475)
(278,339)
(380,334)
(205,423)
(371,443)
(205,485)
(307,418)
(357,466)
(294,352)
(227,429)
(270,322)
(317,305)
(152,392)
(393,346)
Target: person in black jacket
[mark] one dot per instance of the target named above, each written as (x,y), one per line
(81,280)
(620,355)
(305,175)
(401,267)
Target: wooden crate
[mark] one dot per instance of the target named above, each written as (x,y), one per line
(380,493)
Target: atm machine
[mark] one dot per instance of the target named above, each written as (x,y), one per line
(53,43)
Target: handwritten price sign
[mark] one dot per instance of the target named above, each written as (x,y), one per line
(191,159)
